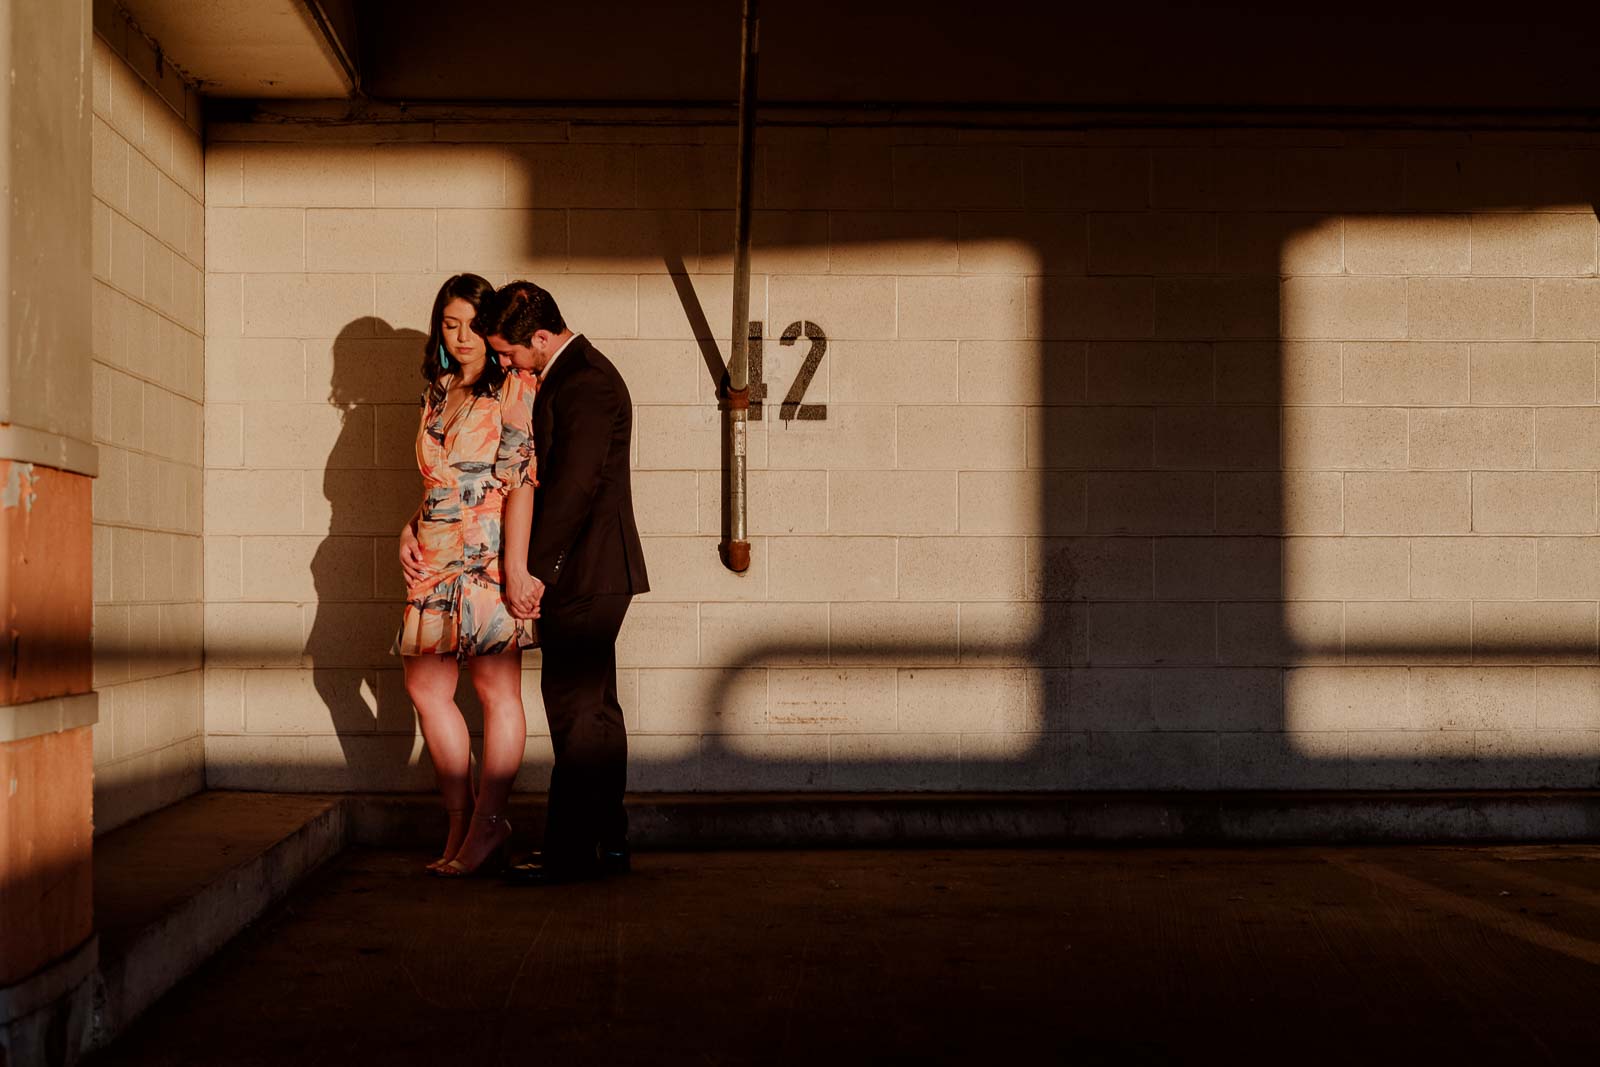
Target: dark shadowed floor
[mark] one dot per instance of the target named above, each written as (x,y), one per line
(1285,955)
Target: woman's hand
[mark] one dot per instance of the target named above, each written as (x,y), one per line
(522,593)
(411,555)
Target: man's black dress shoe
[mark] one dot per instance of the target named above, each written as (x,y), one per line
(616,859)
(610,860)
(533,872)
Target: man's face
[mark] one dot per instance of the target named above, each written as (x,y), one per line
(522,357)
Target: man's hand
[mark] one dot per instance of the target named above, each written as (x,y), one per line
(523,593)
(411,555)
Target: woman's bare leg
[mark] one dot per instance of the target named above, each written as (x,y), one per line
(431,684)
(498,681)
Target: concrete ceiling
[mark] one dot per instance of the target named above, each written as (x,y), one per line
(1466,55)
(260,49)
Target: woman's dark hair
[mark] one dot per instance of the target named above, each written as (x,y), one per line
(479,293)
(517,312)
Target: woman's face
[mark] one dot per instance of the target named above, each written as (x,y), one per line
(455,327)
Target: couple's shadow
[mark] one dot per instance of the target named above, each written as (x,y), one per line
(370,486)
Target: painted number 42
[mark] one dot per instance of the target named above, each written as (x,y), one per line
(793,405)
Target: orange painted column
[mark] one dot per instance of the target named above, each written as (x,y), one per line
(46,780)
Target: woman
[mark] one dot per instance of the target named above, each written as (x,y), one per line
(475,451)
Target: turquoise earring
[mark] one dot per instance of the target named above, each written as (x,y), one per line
(444,360)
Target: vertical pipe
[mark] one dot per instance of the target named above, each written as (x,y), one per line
(736,550)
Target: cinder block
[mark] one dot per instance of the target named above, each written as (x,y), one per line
(127,257)
(959,437)
(1408,502)
(253,635)
(1022,502)
(831,176)
(1002,634)
(439,175)
(1533,502)
(702,701)
(1143,761)
(893,634)
(1022,242)
(892,502)
(666,502)
(1346,698)
(1526,373)
(307,436)
(1217,568)
(1345,568)
(1086,178)
(959,568)
(690,438)
(1284,761)
(945,176)
(1093,699)
(960,700)
(1152,243)
(1568,308)
(1408,244)
(1534,632)
(127,101)
(1462,178)
(690,569)
(307,568)
(752,635)
(308,702)
(1566,698)
(573,175)
(1482,439)
(892,242)
(1474,698)
(1280,244)
(1217,698)
(1089,568)
(253,502)
(899,761)
(1291,634)
(492,239)
(632,242)
(961,307)
(224,303)
(374,239)
(109,165)
(1151,633)
(1330,438)
(1345,308)
(777,502)
(700,307)
(144,204)
(1071,309)
(1152,502)
(660,635)
(1149,373)
(1020,372)
(687,176)
(360,370)
(1014,761)
(781,242)
(305,305)
(1462,568)
(302,175)
(1568,438)
(1222,308)
(1217,438)
(355,501)
(831,700)
(663,762)
(1408,632)
(899,372)
(1568,569)
(833,568)
(257,370)
(1488,309)
(1401,373)
(852,436)
(401,303)
(1522,244)
(1092,437)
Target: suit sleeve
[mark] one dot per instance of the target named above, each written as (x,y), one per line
(580,442)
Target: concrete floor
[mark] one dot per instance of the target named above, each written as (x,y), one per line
(1136,956)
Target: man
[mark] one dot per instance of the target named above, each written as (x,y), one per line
(584,565)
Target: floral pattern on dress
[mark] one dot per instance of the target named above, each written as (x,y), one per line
(469,464)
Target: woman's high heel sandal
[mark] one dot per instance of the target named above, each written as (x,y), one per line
(491,863)
(454,814)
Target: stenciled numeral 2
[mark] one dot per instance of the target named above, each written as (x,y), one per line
(793,406)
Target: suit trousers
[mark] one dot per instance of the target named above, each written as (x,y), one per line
(578,680)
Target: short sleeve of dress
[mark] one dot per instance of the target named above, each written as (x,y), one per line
(513,459)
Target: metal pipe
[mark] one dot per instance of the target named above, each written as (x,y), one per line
(736,549)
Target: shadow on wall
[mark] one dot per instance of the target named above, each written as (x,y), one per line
(1155,359)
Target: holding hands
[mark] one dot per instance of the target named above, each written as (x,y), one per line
(523,593)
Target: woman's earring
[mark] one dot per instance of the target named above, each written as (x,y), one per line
(444,360)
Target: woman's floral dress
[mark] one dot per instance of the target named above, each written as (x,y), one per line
(469,464)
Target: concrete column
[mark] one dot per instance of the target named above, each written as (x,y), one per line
(47,463)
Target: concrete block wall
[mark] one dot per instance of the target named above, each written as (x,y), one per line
(147,311)
(1149,459)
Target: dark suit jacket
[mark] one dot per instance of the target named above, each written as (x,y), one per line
(584,540)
